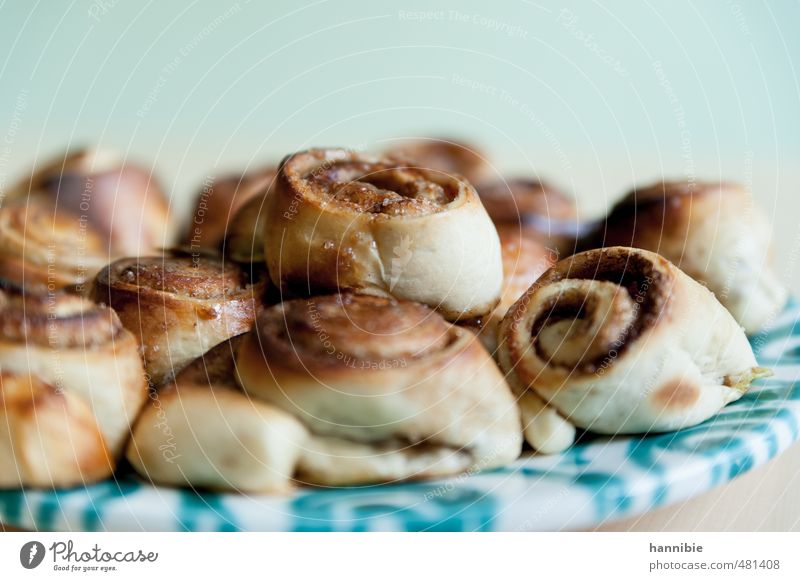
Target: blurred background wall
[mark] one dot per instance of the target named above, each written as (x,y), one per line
(595,96)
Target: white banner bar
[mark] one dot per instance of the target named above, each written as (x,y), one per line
(354,556)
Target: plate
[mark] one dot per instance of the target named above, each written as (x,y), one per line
(595,481)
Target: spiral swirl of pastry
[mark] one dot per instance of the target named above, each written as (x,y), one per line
(620,341)
(537,207)
(219,201)
(121,201)
(179,306)
(79,348)
(42,251)
(388,388)
(712,231)
(340,220)
(49,438)
(446,155)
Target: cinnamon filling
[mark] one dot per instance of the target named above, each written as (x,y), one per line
(585,324)
(588,322)
(346,327)
(382,188)
(56,321)
(42,228)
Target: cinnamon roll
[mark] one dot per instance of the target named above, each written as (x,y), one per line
(42,251)
(388,389)
(536,206)
(244,245)
(219,201)
(244,242)
(48,437)
(350,221)
(78,348)
(121,201)
(715,233)
(450,156)
(217,438)
(178,306)
(216,367)
(619,340)
(525,259)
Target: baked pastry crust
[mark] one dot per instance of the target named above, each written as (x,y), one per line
(79,348)
(715,233)
(216,367)
(244,242)
(451,156)
(619,340)
(525,259)
(42,251)
(388,389)
(178,306)
(219,201)
(49,438)
(538,208)
(217,438)
(120,201)
(341,220)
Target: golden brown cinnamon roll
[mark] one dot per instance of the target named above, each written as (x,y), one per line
(715,233)
(216,367)
(48,437)
(446,155)
(179,306)
(79,348)
(121,201)
(389,389)
(344,220)
(217,438)
(538,207)
(42,251)
(244,242)
(218,203)
(525,259)
(619,340)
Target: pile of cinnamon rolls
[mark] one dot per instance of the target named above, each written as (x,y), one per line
(351,318)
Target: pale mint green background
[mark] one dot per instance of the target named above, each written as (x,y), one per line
(202,87)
